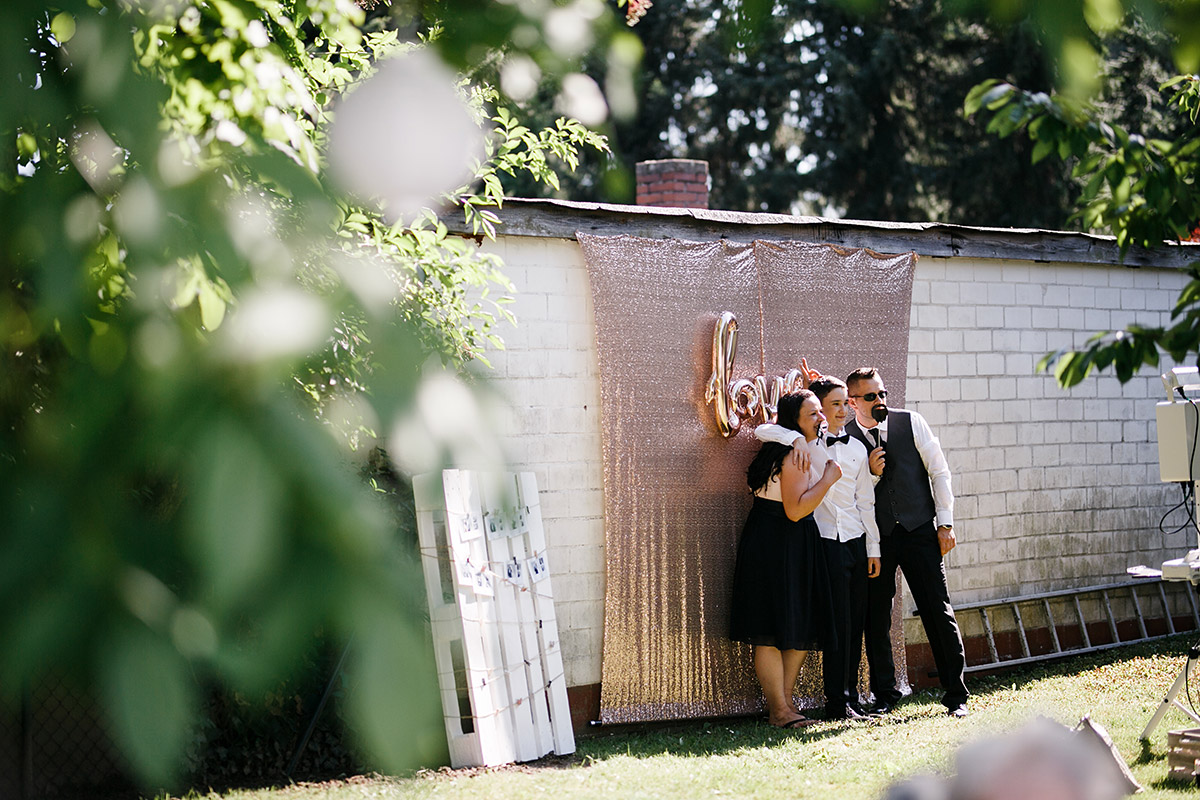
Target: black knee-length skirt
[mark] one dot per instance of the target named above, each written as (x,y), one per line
(781,595)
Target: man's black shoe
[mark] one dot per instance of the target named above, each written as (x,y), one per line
(845,712)
(857,709)
(959,711)
(853,713)
(881,708)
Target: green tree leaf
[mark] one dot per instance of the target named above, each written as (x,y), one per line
(150,697)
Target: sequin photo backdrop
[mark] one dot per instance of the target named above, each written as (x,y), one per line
(675,493)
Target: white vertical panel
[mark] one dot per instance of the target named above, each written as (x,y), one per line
(484,657)
(516,568)
(543,601)
(483,556)
(497,493)
(444,613)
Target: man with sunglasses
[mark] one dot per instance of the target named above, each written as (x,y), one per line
(914,507)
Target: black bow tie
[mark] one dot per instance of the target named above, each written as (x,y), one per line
(830,441)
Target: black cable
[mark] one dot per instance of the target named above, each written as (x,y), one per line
(1190,491)
(1195,429)
(1186,492)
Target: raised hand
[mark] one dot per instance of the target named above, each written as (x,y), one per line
(807,376)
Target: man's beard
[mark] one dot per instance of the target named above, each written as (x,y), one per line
(879,413)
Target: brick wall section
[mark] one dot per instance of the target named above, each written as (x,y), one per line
(548,371)
(673,183)
(1055,488)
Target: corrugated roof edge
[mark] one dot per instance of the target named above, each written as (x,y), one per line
(562,219)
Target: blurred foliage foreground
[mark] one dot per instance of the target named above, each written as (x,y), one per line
(204,338)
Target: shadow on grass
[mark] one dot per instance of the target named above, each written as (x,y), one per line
(1172,785)
(1020,677)
(723,736)
(696,737)
(1147,754)
(729,735)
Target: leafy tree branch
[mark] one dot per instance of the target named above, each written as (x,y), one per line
(182,285)
(1141,189)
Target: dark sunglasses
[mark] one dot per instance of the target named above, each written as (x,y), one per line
(870,396)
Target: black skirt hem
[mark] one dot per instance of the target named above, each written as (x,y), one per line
(781,591)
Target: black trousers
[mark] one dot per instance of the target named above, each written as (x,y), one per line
(917,555)
(847,562)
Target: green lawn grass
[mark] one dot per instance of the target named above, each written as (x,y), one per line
(1120,689)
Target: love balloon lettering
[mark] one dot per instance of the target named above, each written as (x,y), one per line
(734,401)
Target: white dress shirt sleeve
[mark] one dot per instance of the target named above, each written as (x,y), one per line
(770,432)
(864,500)
(934,459)
(818,457)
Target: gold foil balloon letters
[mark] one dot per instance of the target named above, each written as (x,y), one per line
(736,400)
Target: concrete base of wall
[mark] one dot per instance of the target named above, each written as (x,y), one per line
(585,707)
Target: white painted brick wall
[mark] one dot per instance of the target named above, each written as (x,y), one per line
(1054,489)
(548,371)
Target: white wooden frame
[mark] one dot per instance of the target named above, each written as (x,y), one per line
(489,591)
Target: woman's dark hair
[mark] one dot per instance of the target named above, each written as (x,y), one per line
(769,460)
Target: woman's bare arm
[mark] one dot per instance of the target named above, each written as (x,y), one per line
(799,497)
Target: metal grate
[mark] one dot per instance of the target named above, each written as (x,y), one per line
(54,745)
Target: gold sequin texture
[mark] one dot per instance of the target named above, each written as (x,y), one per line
(675,494)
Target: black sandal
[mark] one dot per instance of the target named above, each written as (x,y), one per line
(797,723)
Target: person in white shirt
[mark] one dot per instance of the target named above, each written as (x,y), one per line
(914,510)
(850,542)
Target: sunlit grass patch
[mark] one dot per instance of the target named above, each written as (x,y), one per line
(832,760)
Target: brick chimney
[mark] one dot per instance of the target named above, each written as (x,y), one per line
(673,183)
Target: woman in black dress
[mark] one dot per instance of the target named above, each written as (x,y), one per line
(781,598)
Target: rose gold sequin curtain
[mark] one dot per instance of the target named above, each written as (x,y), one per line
(675,489)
